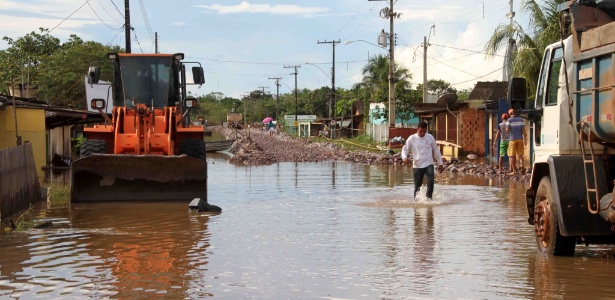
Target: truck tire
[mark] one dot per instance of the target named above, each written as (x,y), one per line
(548,237)
(92,146)
(193,148)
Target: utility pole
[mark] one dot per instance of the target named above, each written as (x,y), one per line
(507,74)
(156,42)
(127,24)
(424,69)
(388,13)
(295,66)
(277,96)
(332,97)
(262,96)
(425,45)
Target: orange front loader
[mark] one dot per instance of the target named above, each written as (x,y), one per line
(147,150)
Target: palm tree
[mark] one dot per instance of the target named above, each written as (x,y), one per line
(526,60)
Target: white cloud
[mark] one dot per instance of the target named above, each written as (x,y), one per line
(179,24)
(246,7)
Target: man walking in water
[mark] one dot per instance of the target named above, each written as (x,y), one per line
(423,147)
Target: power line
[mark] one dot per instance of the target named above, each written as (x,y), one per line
(468,50)
(118,10)
(137,40)
(145,18)
(116,35)
(82,5)
(458,83)
(110,16)
(271,63)
(99,18)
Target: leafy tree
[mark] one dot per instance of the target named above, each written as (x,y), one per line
(406,100)
(526,59)
(436,87)
(464,94)
(20,61)
(376,80)
(61,74)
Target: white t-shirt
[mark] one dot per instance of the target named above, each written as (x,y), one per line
(423,150)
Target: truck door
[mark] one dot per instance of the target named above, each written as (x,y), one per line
(547,129)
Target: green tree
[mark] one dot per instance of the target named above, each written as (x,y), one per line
(61,74)
(526,59)
(20,61)
(436,87)
(406,100)
(376,80)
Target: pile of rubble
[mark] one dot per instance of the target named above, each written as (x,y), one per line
(256,147)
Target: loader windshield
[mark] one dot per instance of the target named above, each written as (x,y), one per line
(146,79)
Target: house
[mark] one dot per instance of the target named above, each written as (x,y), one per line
(489,100)
(48,128)
(379,127)
(467,123)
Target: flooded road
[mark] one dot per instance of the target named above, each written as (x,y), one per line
(303,231)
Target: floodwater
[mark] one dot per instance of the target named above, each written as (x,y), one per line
(303,231)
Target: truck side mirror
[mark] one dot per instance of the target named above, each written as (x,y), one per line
(93,75)
(517,93)
(198,75)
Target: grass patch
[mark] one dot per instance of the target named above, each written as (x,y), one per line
(59,195)
(359,143)
(24,222)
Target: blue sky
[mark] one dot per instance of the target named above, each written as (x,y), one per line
(242,43)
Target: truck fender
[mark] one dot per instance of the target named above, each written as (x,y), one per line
(570,195)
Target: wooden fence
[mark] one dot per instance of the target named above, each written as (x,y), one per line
(19,187)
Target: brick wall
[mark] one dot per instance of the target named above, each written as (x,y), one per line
(472,128)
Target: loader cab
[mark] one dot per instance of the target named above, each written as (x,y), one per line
(152,80)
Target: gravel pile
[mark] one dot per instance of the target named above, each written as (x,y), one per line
(256,147)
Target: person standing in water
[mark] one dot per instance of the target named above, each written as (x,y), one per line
(505,138)
(423,147)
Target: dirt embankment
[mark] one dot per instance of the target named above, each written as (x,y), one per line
(256,147)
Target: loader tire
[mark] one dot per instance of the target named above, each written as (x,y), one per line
(92,146)
(193,148)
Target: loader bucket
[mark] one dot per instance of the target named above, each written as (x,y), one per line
(109,177)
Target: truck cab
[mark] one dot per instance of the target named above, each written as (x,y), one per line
(570,200)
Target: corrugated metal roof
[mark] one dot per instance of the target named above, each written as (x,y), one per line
(489,91)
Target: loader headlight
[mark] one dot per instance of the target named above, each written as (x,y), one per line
(190,102)
(97,103)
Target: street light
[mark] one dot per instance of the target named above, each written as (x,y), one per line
(364,41)
(330,102)
(315,65)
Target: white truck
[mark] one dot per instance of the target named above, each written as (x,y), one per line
(570,198)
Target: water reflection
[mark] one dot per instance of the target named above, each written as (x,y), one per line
(121,250)
(304,231)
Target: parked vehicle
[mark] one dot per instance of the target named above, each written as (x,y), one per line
(147,150)
(570,198)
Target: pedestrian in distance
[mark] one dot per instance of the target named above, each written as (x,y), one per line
(423,147)
(271,128)
(504,141)
(518,139)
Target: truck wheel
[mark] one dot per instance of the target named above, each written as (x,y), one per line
(92,146)
(193,148)
(548,238)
